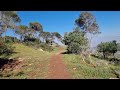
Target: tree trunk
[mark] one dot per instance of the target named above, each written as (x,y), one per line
(5,33)
(83,58)
(103,55)
(51,43)
(14,37)
(21,39)
(113,55)
(90,39)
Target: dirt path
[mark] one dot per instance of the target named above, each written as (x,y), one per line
(57,69)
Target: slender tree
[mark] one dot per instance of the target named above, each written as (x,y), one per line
(35,28)
(87,22)
(22,31)
(8,19)
(55,35)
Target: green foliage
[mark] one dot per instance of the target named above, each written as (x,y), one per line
(5,49)
(35,65)
(30,31)
(75,41)
(87,71)
(8,20)
(57,35)
(36,26)
(107,48)
(10,39)
(21,30)
(36,45)
(113,47)
(31,39)
(46,36)
(87,22)
(118,45)
(46,47)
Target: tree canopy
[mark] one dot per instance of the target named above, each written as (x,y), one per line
(75,41)
(107,47)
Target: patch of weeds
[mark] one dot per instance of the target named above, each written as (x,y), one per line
(6,74)
(116,72)
(20,73)
(1,75)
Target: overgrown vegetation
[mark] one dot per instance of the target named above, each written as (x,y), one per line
(107,48)
(32,46)
(32,35)
(33,64)
(75,41)
(5,48)
(100,69)
(118,45)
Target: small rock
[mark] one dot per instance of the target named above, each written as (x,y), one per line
(74,68)
(40,50)
(21,60)
(113,78)
(24,65)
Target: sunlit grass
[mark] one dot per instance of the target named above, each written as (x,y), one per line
(82,70)
(35,62)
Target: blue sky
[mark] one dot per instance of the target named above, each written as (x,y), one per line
(63,21)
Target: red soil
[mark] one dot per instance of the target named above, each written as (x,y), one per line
(57,69)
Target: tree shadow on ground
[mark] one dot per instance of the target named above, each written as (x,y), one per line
(65,52)
(115,60)
(4,61)
(7,55)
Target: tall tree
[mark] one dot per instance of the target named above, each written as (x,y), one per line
(75,40)
(103,47)
(42,35)
(35,28)
(87,22)
(8,19)
(107,47)
(113,47)
(47,36)
(55,35)
(118,45)
(22,31)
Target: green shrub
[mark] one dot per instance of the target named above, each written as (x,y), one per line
(75,41)
(46,47)
(36,45)
(6,48)
(9,39)
(107,48)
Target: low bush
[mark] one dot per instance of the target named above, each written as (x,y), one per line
(46,47)
(6,48)
(43,46)
(9,39)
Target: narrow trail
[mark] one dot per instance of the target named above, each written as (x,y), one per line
(57,69)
